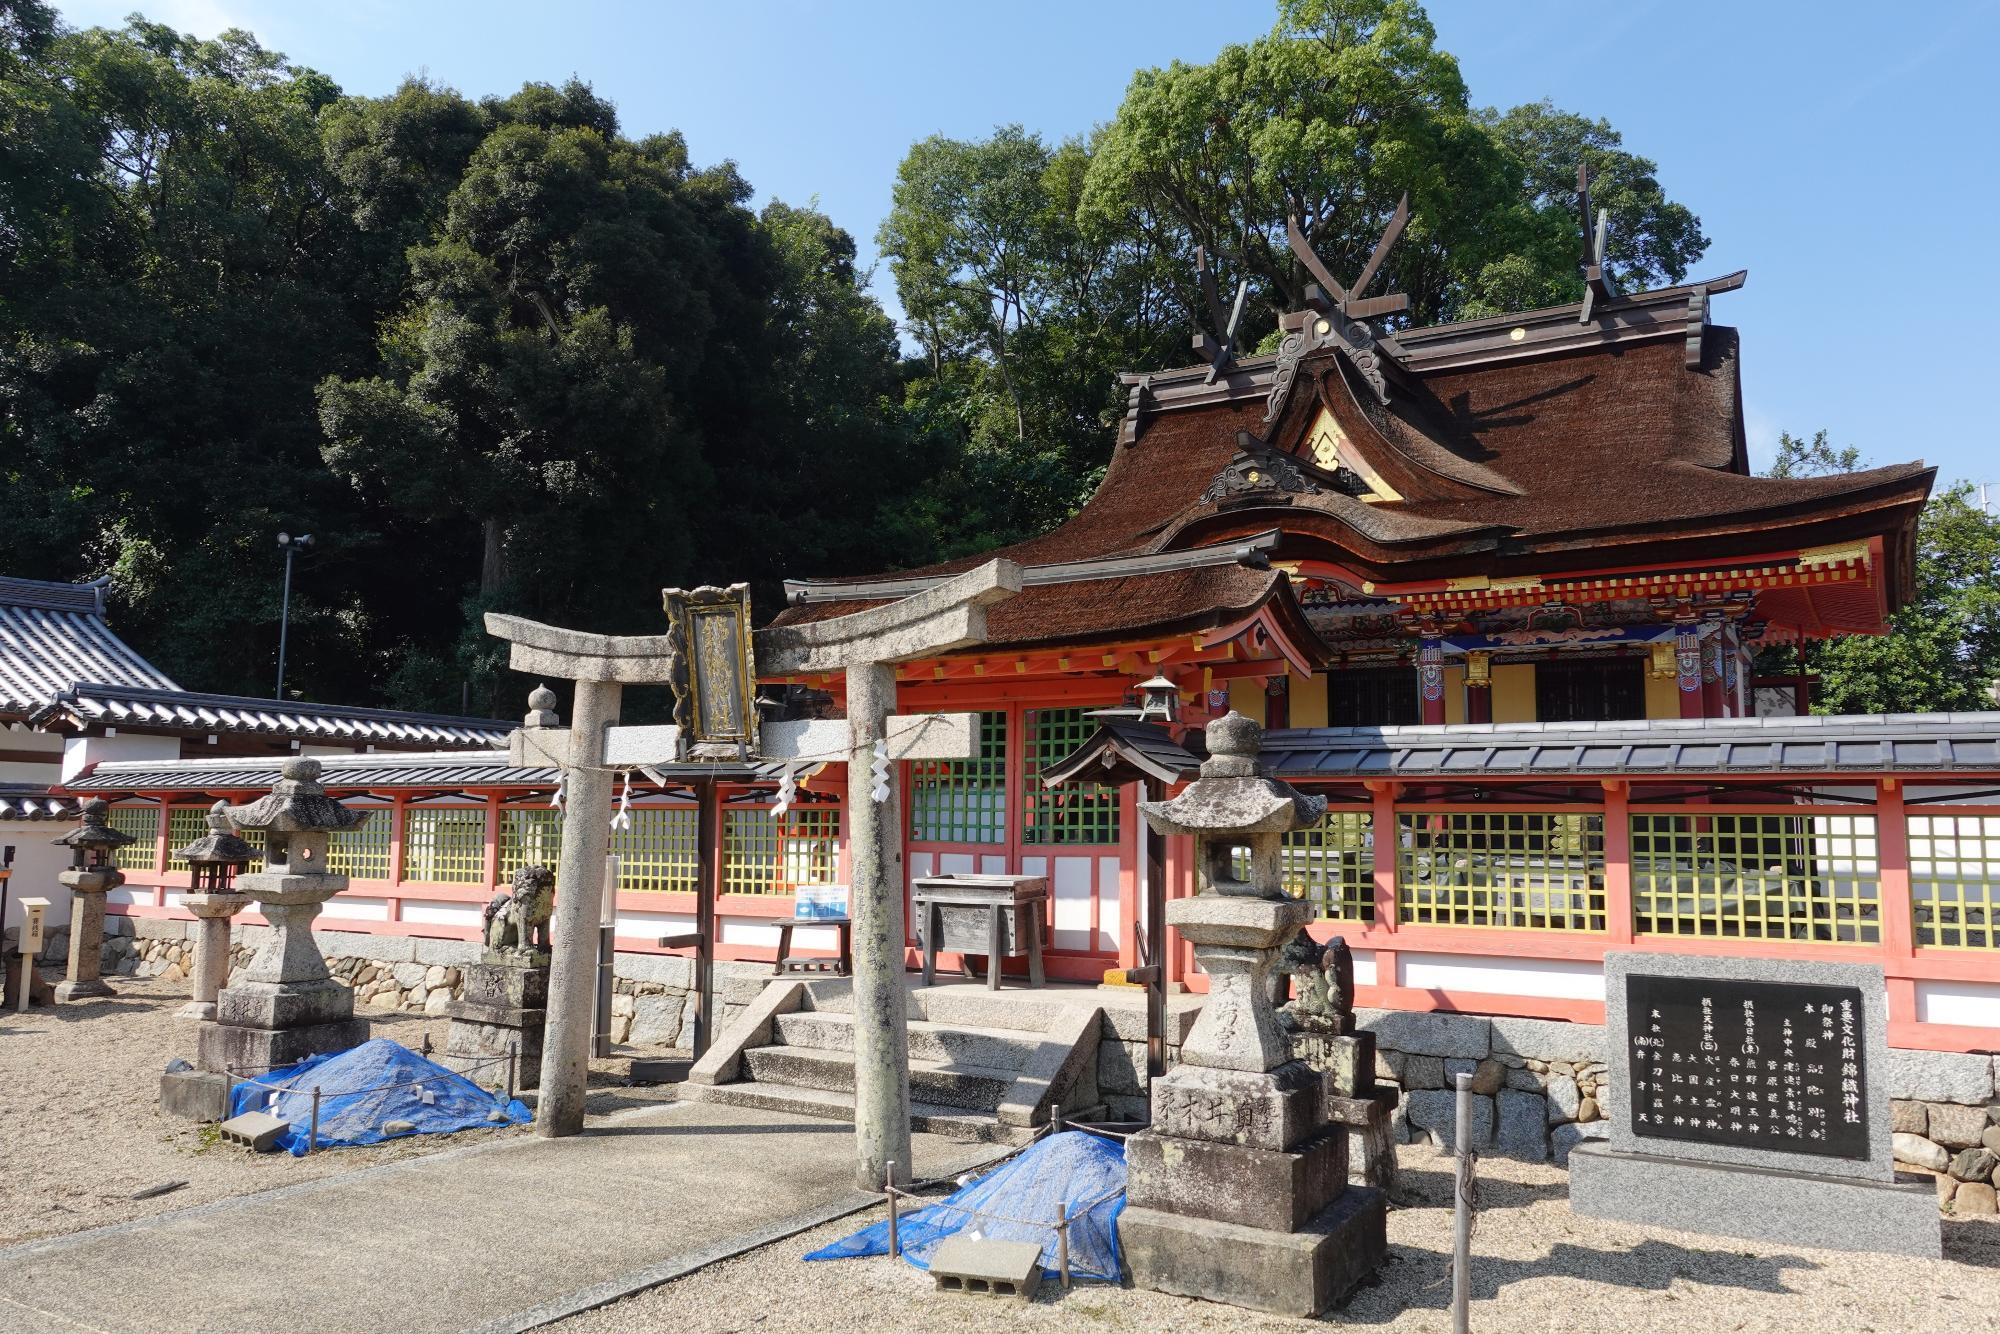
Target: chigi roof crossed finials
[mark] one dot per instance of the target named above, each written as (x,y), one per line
(1422,469)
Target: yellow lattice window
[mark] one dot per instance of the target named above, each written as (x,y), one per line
(1332,864)
(762,854)
(528,837)
(363,851)
(1955,880)
(185,824)
(1536,870)
(661,851)
(444,844)
(1756,877)
(143,824)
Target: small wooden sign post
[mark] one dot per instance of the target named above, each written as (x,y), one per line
(33,912)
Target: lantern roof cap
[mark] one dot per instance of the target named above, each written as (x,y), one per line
(296,804)
(1233,794)
(96,830)
(219,846)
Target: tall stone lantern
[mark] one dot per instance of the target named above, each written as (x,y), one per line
(213,861)
(286,1006)
(1238,1192)
(89,878)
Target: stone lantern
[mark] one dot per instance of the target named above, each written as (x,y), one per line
(1238,1192)
(286,1006)
(213,861)
(89,877)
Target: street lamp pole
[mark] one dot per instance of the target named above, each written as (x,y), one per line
(291,545)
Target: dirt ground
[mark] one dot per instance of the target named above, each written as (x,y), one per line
(1536,1267)
(81,1130)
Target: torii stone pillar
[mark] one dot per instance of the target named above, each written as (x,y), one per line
(864,647)
(601,666)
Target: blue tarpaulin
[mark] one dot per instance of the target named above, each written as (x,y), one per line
(1082,1174)
(364,1088)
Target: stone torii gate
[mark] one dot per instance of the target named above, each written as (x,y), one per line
(864,647)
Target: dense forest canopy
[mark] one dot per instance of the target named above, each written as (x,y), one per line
(498,352)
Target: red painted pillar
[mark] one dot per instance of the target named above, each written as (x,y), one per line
(1617,862)
(1687,665)
(1479,701)
(1430,682)
(1899,947)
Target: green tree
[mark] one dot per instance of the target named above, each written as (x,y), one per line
(1942,651)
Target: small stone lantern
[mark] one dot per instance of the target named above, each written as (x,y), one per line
(213,861)
(90,876)
(286,1006)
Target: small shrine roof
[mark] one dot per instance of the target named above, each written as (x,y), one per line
(95,702)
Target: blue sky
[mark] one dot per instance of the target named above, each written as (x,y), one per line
(1844,153)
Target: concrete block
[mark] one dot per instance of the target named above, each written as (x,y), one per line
(259,1130)
(1430,1033)
(1756,1203)
(227,1046)
(156,928)
(1939,1076)
(996,1268)
(1261,1188)
(1286,1273)
(1547,1040)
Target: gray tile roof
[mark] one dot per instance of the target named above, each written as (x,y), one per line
(1901,743)
(94,702)
(54,635)
(31,801)
(356,773)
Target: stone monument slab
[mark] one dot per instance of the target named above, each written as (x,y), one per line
(1298,1273)
(1750,1102)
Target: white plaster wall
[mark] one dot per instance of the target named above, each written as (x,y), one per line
(45,746)
(79,751)
(36,864)
(1972,1004)
(1555,979)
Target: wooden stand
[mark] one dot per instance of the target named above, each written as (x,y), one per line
(1001,916)
(841,965)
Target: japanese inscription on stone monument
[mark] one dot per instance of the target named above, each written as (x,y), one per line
(1761,1065)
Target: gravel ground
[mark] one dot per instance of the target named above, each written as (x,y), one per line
(81,1129)
(1535,1267)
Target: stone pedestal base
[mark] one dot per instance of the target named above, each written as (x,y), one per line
(1286,1273)
(1753,1203)
(82,989)
(504,1009)
(263,1025)
(197,1095)
(1261,1188)
(1371,1145)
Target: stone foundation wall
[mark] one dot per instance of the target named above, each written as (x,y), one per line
(416,975)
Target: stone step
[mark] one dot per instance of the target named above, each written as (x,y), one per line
(991,1048)
(831,1105)
(972,1088)
(955,1007)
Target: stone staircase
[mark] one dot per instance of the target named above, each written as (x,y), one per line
(983,1067)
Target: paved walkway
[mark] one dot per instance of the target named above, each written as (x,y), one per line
(497,1236)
